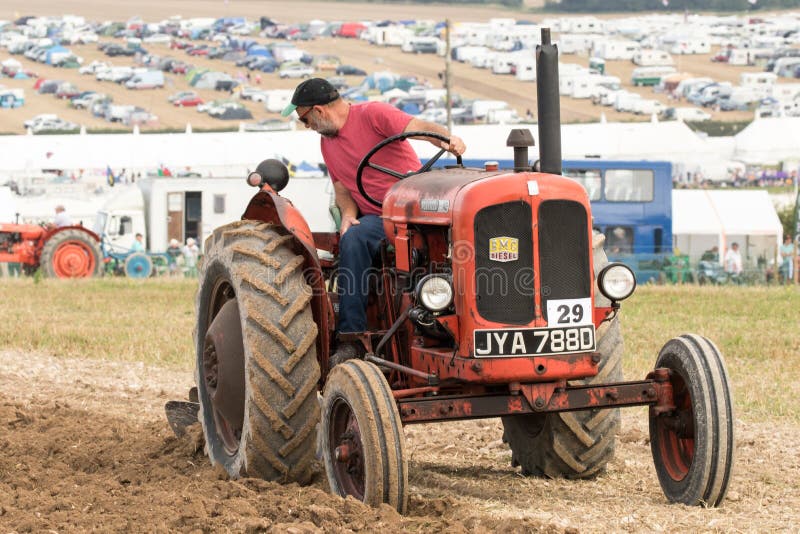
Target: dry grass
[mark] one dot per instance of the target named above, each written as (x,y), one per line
(152,322)
(108,319)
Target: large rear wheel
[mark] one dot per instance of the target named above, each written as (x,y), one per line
(573,444)
(693,444)
(363,445)
(257,369)
(71,254)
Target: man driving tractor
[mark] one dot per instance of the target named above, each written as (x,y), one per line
(348,132)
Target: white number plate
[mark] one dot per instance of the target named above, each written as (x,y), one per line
(533,341)
(569,312)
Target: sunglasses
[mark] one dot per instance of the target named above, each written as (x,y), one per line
(303,117)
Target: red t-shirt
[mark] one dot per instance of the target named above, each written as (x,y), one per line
(367,125)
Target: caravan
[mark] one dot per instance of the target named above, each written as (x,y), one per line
(616,49)
(178,208)
(652,58)
(649,76)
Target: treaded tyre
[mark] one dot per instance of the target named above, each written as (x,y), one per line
(71,254)
(257,369)
(573,444)
(363,445)
(693,445)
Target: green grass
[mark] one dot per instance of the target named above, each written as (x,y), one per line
(151,321)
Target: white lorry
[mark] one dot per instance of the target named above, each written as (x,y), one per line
(162,209)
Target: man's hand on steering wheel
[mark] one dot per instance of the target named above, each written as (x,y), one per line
(453,144)
(456,145)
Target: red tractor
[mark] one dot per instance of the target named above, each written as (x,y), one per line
(493,298)
(66,252)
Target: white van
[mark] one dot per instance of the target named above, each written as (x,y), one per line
(152,79)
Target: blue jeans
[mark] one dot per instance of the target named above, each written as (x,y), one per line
(357,249)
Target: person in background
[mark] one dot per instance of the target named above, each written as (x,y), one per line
(733,260)
(173,254)
(348,131)
(711,255)
(190,254)
(62,218)
(787,259)
(138,243)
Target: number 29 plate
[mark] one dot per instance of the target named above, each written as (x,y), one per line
(533,341)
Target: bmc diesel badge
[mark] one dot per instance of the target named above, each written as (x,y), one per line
(504,248)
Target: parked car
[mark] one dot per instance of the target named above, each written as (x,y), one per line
(84,101)
(188,100)
(180,94)
(92,67)
(349,70)
(117,50)
(249,92)
(58,125)
(30,123)
(200,50)
(268,125)
(295,70)
(685,114)
(67,90)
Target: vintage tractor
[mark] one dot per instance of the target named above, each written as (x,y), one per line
(66,252)
(492,298)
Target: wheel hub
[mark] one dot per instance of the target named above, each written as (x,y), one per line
(676,432)
(73,259)
(347,450)
(223,374)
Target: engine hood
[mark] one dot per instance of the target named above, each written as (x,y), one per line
(428,198)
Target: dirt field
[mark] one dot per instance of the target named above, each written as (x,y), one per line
(85,447)
(469,82)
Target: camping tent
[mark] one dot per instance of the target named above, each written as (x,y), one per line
(702,219)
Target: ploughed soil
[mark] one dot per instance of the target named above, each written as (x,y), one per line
(84,446)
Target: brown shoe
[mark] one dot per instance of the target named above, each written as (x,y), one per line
(347,350)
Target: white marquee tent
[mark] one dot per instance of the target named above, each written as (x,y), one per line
(702,219)
(232,154)
(769,141)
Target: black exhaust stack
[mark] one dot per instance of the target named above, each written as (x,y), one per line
(548,105)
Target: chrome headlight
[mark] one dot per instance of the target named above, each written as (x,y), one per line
(616,281)
(435,292)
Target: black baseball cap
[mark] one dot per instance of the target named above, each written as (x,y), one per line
(312,92)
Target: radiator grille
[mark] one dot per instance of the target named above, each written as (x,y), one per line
(504,289)
(563,251)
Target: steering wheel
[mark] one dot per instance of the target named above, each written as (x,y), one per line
(399,137)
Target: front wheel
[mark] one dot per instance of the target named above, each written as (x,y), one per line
(693,445)
(363,445)
(138,265)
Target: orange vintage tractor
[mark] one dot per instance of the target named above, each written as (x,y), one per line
(493,298)
(66,252)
